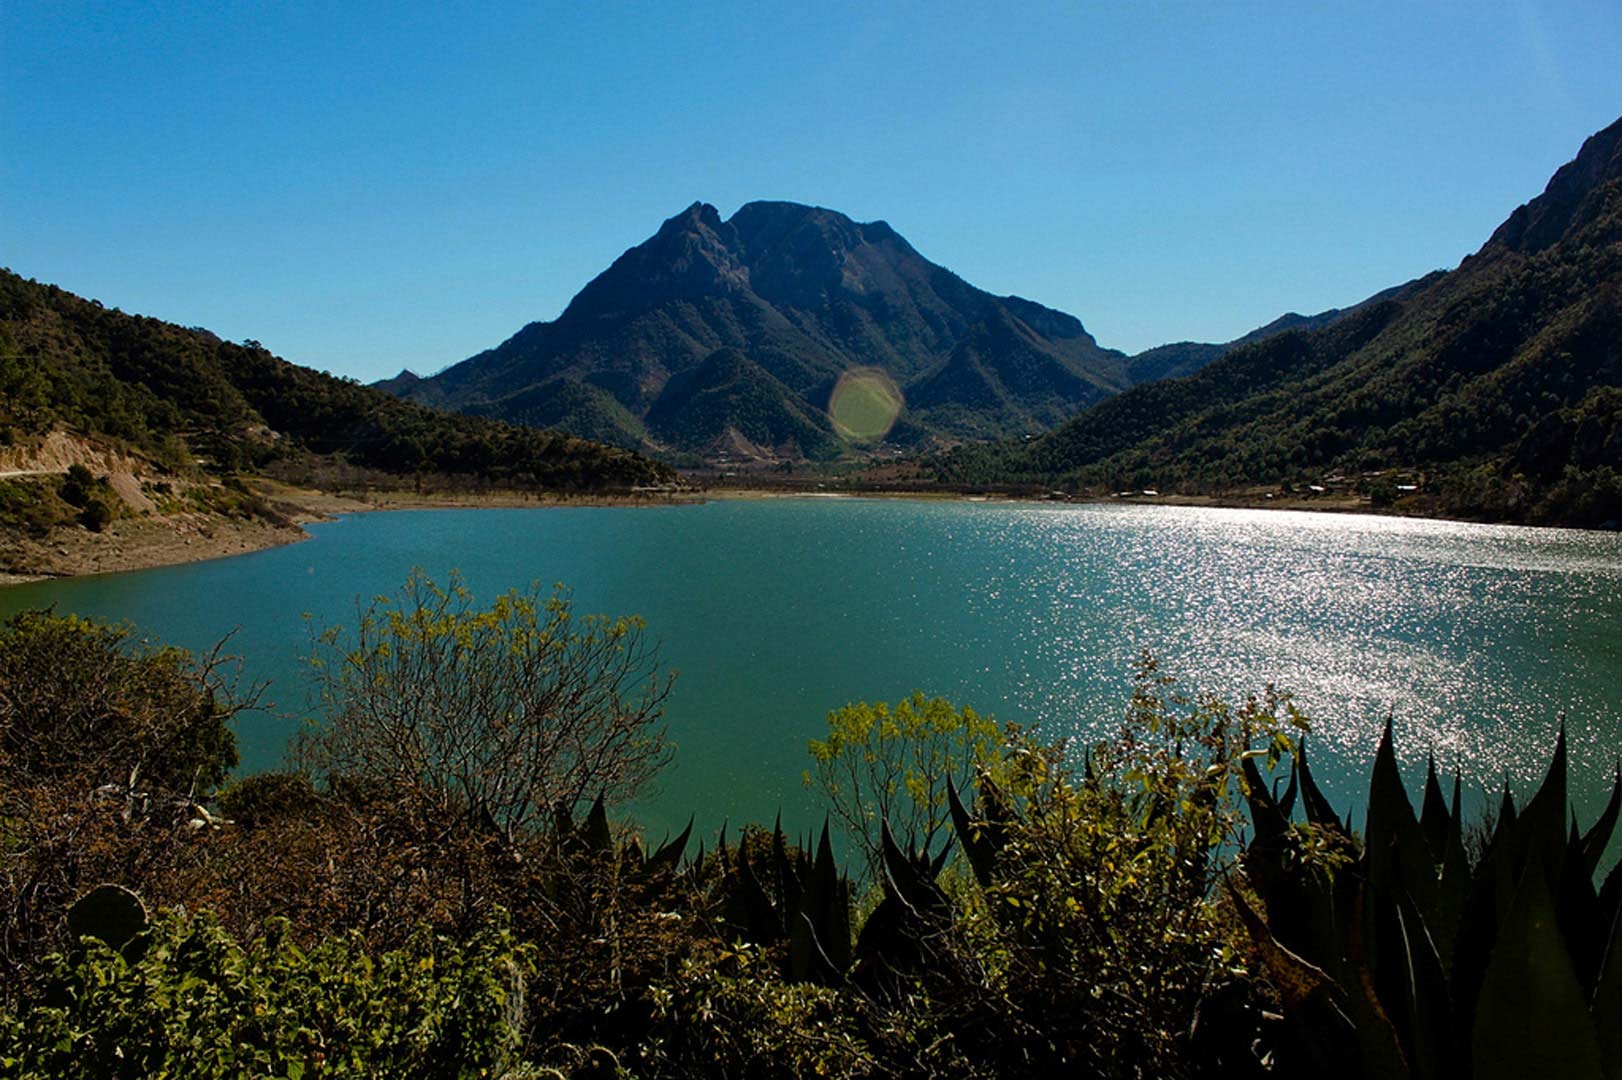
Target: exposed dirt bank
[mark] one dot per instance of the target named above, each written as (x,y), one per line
(138,543)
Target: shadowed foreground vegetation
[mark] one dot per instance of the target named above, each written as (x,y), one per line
(436,887)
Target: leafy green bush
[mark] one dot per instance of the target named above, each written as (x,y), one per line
(93,497)
(196,1003)
(79,486)
(728,1012)
(31,505)
(267,798)
(79,694)
(96,515)
(1096,929)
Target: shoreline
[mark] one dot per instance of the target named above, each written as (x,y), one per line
(1326,503)
(1317,505)
(147,543)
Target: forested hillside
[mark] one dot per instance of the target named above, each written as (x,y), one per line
(187,399)
(1497,386)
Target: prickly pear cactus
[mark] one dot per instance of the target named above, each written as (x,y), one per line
(109,912)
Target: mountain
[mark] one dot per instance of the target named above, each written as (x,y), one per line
(178,395)
(801,295)
(1186,357)
(1499,381)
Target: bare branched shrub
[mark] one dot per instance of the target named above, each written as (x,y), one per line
(883,763)
(502,714)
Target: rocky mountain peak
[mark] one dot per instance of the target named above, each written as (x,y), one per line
(1570,199)
(692,255)
(699,217)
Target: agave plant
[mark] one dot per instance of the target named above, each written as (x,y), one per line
(794,897)
(1395,955)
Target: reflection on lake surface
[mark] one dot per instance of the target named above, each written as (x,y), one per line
(1476,638)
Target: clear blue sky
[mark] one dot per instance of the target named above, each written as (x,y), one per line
(365,188)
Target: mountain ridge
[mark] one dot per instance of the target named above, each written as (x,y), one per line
(1499,383)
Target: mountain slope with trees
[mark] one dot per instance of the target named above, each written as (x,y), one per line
(803,294)
(185,399)
(1499,382)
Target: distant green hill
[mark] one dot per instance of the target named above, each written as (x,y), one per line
(571,406)
(729,403)
(177,395)
(1500,381)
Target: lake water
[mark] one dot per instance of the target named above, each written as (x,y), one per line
(1476,638)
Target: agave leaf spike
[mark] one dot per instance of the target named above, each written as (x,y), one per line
(1506,817)
(1312,1000)
(595,834)
(1541,827)
(1582,926)
(784,867)
(1453,890)
(809,961)
(1598,837)
(814,923)
(749,909)
(632,854)
(1395,848)
(906,878)
(562,820)
(1269,821)
(1605,1007)
(1316,805)
(1608,912)
(1286,804)
(940,859)
(1299,981)
(1433,814)
(1409,982)
(669,853)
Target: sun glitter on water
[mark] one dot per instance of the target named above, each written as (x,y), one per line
(864,404)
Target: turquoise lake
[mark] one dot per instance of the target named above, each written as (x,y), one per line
(1477,639)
